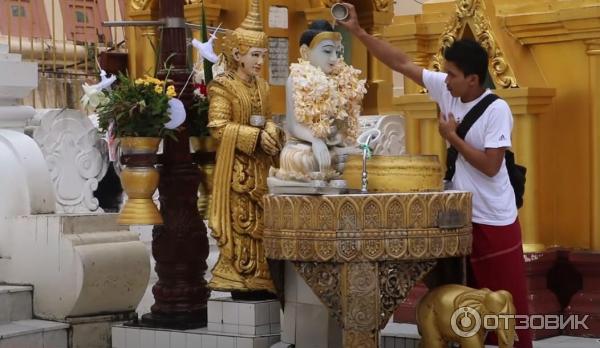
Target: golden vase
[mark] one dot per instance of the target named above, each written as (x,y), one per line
(206,148)
(139,180)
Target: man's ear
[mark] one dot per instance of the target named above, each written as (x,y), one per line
(473,79)
(304,50)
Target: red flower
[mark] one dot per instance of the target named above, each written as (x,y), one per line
(201,88)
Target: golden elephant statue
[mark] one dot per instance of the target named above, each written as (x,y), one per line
(456,313)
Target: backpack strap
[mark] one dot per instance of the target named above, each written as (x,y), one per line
(463,128)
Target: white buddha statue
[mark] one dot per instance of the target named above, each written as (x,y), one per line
(323,100)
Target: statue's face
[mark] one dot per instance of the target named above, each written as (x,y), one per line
(251,63)
(325,54)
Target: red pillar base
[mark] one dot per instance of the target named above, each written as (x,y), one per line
(587,300)
(406,311)
(542,301)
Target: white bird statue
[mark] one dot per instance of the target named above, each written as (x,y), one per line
(206,48)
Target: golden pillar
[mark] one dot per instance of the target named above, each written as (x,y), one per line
(380,81)
(413,37)
(593,52)
(527,104)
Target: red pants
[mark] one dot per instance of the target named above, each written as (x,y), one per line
(497,263)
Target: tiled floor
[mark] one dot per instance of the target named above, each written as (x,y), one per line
(406,336)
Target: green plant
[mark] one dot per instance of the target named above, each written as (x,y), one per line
(137,108)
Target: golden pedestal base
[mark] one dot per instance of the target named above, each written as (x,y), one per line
(139,180)
(140,211)
(362,253)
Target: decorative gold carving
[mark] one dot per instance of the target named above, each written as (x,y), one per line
(324,279)
(365,230)
(382,5)
(416,213)
(395,214)
(396,279)
(362,296)
(139,5)
(472,13)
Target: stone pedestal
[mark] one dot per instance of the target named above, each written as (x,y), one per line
(542,301)
(79,265)
(586,301)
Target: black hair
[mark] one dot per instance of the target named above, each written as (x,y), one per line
(314,28)
(469,57)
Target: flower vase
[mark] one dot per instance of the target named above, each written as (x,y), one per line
(139,180)
(205,148)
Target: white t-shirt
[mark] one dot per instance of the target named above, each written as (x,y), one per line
(493,197)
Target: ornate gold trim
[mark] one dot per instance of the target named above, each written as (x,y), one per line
(362,296)
(361,228)
(472,13)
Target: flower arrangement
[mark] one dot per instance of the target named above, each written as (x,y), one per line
(326,103)
(140,108)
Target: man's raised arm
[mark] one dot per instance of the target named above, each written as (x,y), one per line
(382,50)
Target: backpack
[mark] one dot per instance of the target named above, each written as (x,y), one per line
(516,172)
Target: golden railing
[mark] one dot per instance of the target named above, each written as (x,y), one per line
(64,37)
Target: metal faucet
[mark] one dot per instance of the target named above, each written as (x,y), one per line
(365,180)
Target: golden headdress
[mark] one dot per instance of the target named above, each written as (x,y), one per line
(248,34)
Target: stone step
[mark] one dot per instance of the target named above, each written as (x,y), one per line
(15,303)
(133,337)
(33,333)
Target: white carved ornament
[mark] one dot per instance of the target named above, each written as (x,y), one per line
(76,158)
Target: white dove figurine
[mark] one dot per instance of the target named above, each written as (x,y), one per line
(206,48)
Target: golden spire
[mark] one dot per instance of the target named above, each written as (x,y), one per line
(252,20)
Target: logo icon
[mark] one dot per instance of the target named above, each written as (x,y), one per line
(465,322)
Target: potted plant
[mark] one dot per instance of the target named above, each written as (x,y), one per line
(139,113)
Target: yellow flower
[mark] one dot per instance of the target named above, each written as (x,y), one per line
(171,91)
(153,80)
(139,81)
(158,89)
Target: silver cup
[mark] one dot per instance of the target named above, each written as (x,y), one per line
(257,120)
(339,11)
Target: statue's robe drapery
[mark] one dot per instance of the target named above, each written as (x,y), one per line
(242,167)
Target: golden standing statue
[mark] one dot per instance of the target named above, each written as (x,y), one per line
(239,118)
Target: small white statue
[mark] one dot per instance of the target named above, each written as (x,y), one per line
(323,98)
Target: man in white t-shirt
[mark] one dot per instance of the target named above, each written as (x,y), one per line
(497,257)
